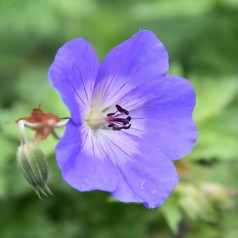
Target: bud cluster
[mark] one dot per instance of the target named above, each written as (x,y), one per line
(30,159)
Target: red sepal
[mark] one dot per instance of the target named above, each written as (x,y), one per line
(46,121)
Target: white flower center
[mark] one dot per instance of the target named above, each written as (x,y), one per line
(95,120)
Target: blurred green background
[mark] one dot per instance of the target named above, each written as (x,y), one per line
(202,41)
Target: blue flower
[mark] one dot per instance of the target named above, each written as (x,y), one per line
(129,121)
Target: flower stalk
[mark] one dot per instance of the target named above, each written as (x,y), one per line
(38,125)
(23,136)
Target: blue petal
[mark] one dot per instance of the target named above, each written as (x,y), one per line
(129,65)
(73,74)
(84,163)
(146,175)
(164,116)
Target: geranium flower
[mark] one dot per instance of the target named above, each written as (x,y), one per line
(129,120)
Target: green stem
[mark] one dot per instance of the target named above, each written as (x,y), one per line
(55,134)
(21,126)
(37,125)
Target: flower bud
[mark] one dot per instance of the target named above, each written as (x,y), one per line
(32,164)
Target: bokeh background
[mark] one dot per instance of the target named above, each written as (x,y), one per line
(202,41)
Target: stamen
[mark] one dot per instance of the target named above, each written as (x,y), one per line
(117,123)
(111,114)
(122,110)
(116,128)
(126,127)
(128,119)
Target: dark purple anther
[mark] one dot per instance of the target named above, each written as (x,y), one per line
(111,114)
(117,123)
(128,119)
(126,127)
(116,128)
(122,110)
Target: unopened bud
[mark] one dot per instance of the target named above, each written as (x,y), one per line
(32,164)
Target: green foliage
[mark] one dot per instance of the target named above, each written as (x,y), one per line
(215,114)
(201,37)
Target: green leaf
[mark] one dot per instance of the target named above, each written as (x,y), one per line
(172,213)
(212,96)
(218,136)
